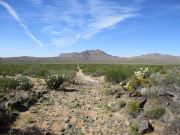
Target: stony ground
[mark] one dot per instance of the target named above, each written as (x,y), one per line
(77,110)
(86,108)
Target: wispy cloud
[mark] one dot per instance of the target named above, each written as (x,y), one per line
(13,13)
(69,21)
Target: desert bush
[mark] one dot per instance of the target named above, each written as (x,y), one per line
(42,73)
(140,79)
(24,83)
(12,83)
(3,83)
(147,83)
(69,76)
(4,73)
(134,128)
(155,113)
(172,78)
(132,107)
(142,73)
(55,81)
(116,75)
(131,85)
(36,72)
(99,72)
(3,88)
(13,69)
(8,83)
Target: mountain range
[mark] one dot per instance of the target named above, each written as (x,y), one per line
(96,56)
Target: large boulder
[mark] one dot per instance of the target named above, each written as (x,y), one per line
(153,109)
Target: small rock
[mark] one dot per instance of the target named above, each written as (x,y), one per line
(141,101)
(115,107)
(135,94)
(63,130)
(113,91)
(66,120)
(144,126)
(119,94)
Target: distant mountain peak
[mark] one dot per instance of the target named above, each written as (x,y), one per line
(96,52)
(86,52)
(156,55)
(87,55)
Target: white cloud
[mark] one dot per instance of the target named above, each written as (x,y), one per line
(77,21)
(69,21)
(20,22)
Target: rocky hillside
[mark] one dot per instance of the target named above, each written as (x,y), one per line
(96,56)
(89,55)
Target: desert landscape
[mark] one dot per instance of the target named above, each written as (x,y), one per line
(89,67)
(89,98)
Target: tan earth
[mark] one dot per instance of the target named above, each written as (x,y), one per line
(78,110)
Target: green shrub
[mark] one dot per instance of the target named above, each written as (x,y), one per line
(159,68)
(142,73)
(12,83)
(55,81)
(134,128)
(4,73)
(41,73)
(133,107)
(116,75)
(140,79)
(99,72)
(36,72)
(3,83)
(8,83)
(24,83)
(69,76)
(155,113)
(146,83)
(172,78)
(132,85)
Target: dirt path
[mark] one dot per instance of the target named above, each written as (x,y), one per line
(78,110)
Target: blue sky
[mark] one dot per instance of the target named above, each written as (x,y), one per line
(118,27)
